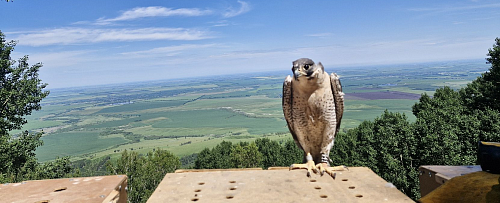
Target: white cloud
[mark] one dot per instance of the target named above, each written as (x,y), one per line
(455,8)
(167,51)
(154,11)
(231,12)
(320,35)
(71,35)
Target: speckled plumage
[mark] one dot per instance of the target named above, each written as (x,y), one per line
(313,104)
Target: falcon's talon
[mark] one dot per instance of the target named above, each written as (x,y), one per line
(309,166)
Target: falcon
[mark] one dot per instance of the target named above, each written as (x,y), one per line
(313,104)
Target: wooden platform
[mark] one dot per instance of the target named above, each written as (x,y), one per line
(477,187)
(432,176)
(86,189)
(359,184)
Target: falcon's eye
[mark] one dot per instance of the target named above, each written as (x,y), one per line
(306,67)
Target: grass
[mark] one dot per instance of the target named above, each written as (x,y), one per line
(205,111)
(74,144)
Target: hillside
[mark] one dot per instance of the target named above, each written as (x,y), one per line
(186,115)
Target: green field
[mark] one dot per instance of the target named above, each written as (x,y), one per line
(185,116)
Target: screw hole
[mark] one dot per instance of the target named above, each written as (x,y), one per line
(317,187)
(351,187)
(232,181)
(323,196)
(194,199)
(60,189)
(201,183)
(345,179)
(233,188)
(359,196)
(313,180)
(229,197)
(197,190)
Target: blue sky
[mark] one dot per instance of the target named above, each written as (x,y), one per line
(114,41)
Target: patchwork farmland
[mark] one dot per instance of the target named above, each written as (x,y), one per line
(188,115)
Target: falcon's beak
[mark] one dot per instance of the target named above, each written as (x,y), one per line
(297,73)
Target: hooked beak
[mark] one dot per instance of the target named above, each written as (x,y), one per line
(297,73)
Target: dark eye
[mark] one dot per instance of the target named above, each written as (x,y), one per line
(306,67)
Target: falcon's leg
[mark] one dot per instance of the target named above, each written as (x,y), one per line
(309,165)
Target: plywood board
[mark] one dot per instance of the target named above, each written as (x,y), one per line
(85,189)
(358,184)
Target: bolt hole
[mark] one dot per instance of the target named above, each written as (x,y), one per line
(317,187)
(345,179)
(194,199)
(323,196)
(233,188)
(351,187)
(359,196)
(43,201)
(197,190)
(313,180)
(201,183)
(232,181)
(229,197)
(60,189)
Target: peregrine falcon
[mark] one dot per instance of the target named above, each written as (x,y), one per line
(313,104)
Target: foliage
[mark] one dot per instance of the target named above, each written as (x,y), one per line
(387,146)
(188,160)
(446,131)
(90,167)
(144,172)
(20,88)
(246,156)
(263,153)
(21,92)
(484,92)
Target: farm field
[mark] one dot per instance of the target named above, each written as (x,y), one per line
(186,115)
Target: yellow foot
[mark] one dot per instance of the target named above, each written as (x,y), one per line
(324,168)
(310,166)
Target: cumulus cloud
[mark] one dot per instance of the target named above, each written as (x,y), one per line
(154,11)
(65,36)
(231,12)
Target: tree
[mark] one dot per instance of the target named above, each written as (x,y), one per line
(387,146)
(245,155)
(484,92)
(144,172)
(270,151)
(21,92)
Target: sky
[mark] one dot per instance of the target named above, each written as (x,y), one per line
(90,42)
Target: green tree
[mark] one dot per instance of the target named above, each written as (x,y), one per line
(291,153)
(21,92)
(387,146)
(246,156)
(484,92)
(144,172)
(271,152)
(203,161)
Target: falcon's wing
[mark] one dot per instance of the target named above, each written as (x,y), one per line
(338,96)
(287,101)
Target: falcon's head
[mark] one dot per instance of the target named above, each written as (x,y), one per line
(305,67)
